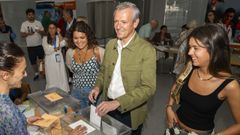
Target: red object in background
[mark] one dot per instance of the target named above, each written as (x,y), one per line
(238,26)
(70,5)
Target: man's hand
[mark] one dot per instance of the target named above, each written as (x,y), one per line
(93,94)
(107,106)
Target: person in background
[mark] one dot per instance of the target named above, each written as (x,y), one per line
(19,95)
(46,19)
(12,70)
(211,17)
(227,21)
(60,21)
(146,30)
(127,78)
(162,37)
(82,18)
(32,30)
(6,32)
(70,21)
(83,59)
(55,70)
(237,34)
(209,84)
(183,28)
(181,42)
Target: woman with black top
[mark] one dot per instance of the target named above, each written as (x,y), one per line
(208,85)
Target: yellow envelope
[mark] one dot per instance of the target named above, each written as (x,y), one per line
(53,97)
(47,121)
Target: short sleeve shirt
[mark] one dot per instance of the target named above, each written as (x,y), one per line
(36,38)
(145,31)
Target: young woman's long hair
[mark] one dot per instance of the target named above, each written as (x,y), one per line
(215,39)
(84,28)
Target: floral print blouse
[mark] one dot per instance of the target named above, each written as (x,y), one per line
(12,121)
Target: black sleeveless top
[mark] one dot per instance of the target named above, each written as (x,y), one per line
(198,111)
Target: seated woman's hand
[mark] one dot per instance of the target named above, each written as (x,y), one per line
(32,119)
(79,130)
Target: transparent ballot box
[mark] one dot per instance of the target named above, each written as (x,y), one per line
(54,101)
(109,125)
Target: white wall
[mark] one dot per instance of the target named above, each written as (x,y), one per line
(81,7)
(14,15)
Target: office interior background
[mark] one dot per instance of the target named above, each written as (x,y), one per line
(173,13)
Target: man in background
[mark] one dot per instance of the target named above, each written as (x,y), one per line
(32,31)
(70,21)
(146,30)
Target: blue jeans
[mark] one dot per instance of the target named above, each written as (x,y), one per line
(82,96)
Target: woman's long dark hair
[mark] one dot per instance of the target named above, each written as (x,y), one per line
(9,56)
(50,40)
(84,28)
(215,39)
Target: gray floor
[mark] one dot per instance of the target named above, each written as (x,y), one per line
(155,122)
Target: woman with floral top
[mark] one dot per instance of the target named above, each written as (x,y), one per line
(12,70)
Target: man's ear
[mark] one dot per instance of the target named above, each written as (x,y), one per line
(136,22)
(4,75)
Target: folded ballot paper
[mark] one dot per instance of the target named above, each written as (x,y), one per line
(53,97)
(47,121)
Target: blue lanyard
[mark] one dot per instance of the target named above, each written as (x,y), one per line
(54,43)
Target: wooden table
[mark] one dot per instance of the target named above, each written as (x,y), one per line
(173,50)
(235,59)
(235,45)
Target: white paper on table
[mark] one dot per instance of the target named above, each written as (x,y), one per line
(29,113)
(94,118)
(108,129)
(22,107)
(82,123)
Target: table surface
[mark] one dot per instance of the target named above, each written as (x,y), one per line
(235,59)
(41,106)
(234,45)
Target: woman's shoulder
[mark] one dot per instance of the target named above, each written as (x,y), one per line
(99,49)
(233,85)
(7,109)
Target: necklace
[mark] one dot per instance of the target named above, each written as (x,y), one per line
(203,79)
(81,59)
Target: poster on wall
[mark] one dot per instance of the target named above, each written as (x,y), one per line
(53,8)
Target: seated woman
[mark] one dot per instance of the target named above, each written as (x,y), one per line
(162,37)
(83,59)
(209,84)
(12,70)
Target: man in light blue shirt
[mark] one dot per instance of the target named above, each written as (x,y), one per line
(145,30)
